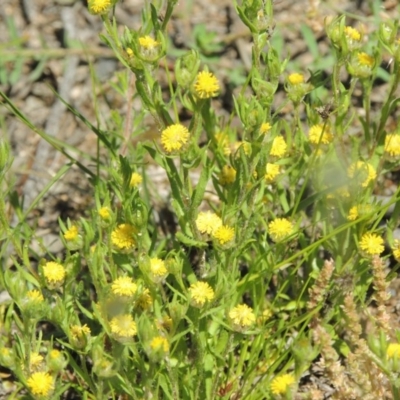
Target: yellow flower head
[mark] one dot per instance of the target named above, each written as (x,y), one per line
(320,134)
(105,213)
(222,140)
(265,128)
(352,33)
(245,145)
(224,234)
(54,272)
(144,301)
(280,384)
(208,222)
(363,172)
(392,144)
(148,43)
(280,229)
(71,234)
(123,325)
(79,332)
(242,316)
(396,250)
(200,293)
(279,147)
(124,286)
(157,268)
(296,78)
(206,85)
(160,343)
(122,236)
(174,137)
(136,180)
(360,210)
(40,383)
(271,172)
(35,296)
(371,244)
(365,59)
(35,360)
(393,351)
(99,7)
(54,354)
(227,175)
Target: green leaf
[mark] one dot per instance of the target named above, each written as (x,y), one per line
(189,241)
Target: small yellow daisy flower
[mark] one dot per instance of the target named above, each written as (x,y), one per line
(158,269)
(365,59)
(122,236)
(280,229)
(279,147)
(54,272)
(222,140)
(242,316)
(265,128)
(98,7)
(160,343)
(208,222)
(224,234)
(40,383)
(105,213)
(227,175)
(237,145)
(352,33)
(359,210)
(148,43)
(280,384)
(393,350)
(200,293)
(320,134)
(392,144)
(123,325)
(136,180)
(71,234)
(363,172)
(396,250)
(79,332)
(296,78)
(124,286)
(206,85)
(371,244)
(271,172)
(35,295)
(144,301)
(35,360)
(174,137)
(54,354)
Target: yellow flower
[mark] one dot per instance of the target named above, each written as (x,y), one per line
(136,180)
(71,234)
(222,140)
(79,332)
(145,300)
(124,286)
(227,175)
(320,134)
(393,350)
(54,354)
(265,128)
(372,244)
(279,147)
(280,384)
(123,325)
(35,295)
(160,343)
(40,383)
(279,229)
(242,316)
(174,137)
(392,144)
(122,236)
(396,250)
(363,172)
(365,59)
(99,6)
(148,43)
(296,78)
(206,85)
(271,172)
(165,323)
(157,268)
(208,222)
(245,145)
(359,210)
(200,293)
(352,33)
(54,272)
(224,234)
(35,360)
(104,213)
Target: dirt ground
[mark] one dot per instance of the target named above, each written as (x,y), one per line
(52,44)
